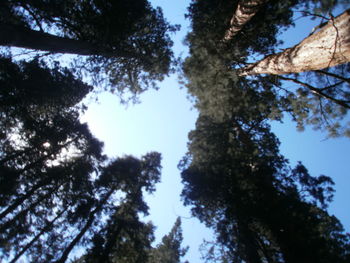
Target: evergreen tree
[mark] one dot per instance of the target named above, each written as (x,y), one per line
(170,250)
(58,191)
(46,153)
(262,211)
(328,47)
(318,98)
(235,179)
(118,236)
(126,41)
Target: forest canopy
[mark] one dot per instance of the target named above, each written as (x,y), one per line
(122,44)
(62,199)
(236,181)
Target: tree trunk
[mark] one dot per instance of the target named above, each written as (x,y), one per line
(43,231)
(328,47)
(19,201)
(24,212)
(244,12)
(22,37)
(86,227)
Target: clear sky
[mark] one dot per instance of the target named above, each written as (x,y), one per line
(163,119)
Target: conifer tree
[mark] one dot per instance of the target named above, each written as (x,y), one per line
(237,183)
(57,188)
(125,42)
(319,98)
(170,249)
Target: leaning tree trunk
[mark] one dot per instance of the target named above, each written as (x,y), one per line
(244,12)
(22,37)
(328,47)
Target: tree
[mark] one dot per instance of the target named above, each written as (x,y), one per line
(327,47)
(262,211)
(76,223)
(55,181)
(244,12)
(122,237)
(46,153)
(127,42)
(39,126)
(236,181)
(169,250)
(317,98)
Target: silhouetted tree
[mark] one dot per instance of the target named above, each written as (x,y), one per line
(126,41)
(262,211)
(57,188)
(170,249)
(121,237)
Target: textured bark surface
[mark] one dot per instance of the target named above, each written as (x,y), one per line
(246,9)
(328,47)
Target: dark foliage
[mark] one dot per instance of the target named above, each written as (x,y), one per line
(314,98)
(126,42)
(236,181)
(261,210)
(170,250)
(58,191)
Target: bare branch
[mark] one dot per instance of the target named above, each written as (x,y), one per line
(333,85)
(318,92)
(333,75)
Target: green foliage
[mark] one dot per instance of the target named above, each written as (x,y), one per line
(324,6)
(58,191)
(169,250)
(217,90)
(235,179)
(261,210)
(130,42)
(307,107)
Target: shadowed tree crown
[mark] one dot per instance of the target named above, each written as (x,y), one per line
(125,42)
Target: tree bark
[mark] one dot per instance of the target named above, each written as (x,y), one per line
(328,47)
(244,12)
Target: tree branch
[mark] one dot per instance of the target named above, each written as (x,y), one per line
(317,91)
(332,86)
(333,75)
(244,12)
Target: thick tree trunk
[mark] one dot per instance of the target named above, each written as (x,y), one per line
(246,9)
(17,36)
(22,37)
(328,47)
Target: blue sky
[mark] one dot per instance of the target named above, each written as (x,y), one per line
(163,119)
